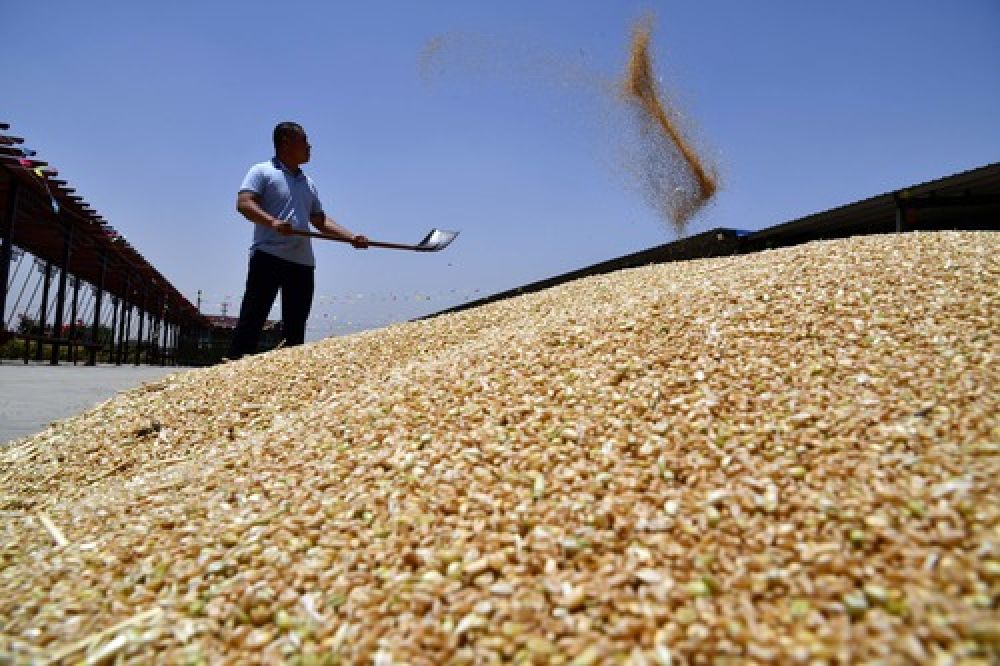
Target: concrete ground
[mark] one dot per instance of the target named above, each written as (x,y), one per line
(33,396)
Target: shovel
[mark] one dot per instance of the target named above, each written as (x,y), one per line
(435,240)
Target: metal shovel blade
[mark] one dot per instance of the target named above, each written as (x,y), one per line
(437,239)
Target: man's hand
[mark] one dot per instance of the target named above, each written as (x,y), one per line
(360,242)
(282,227)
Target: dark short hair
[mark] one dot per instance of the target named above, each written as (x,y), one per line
(284,131)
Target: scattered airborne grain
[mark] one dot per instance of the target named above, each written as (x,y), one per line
(675,180)
(785,457)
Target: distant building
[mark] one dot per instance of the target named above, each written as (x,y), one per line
(214,342)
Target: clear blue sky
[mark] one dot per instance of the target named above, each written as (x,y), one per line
(154,111)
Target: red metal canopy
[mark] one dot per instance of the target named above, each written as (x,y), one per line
(46,210)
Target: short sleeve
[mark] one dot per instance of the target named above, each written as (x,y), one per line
(254,180)
(317,206)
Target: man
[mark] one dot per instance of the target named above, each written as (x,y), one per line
(279,198)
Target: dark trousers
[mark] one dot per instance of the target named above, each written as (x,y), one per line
(265,276)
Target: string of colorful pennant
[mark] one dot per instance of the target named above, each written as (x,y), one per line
(40,172)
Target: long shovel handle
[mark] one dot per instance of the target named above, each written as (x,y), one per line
(371,243)
(435,240)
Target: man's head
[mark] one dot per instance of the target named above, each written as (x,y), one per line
(291,144)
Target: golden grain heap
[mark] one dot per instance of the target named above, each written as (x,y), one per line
(786,457)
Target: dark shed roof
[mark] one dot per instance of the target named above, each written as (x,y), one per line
(966,200)
(969,200)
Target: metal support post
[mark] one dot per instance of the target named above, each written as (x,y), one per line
(7,242)
(123,328)
(43,309)
(129,312)
(61,296)
(72,319)
(141,314)
(95,330)
(114,329)
(157,331)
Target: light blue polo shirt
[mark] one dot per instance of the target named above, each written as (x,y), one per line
(287,196)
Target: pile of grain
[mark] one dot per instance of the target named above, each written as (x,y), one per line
(788,457)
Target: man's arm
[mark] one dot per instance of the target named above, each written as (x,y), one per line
(327,226)
(249,206)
